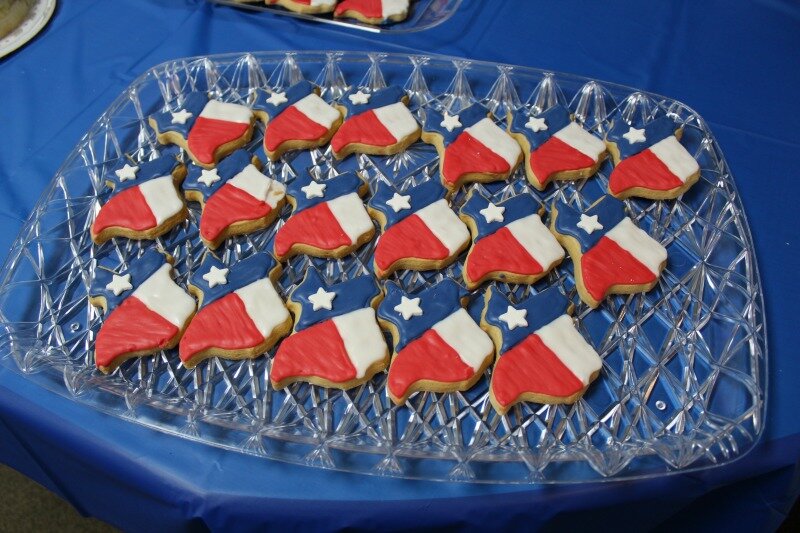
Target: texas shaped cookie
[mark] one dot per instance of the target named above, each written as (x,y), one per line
(295,119)
(373,11)
(420,231)
(309,7)
(145,202)
(471,146)
(650,162)
(336,341)
(207,129)
(542,358)
(145,310)
(555,147)
(376,122)
(329,218)
(610,253)
(240,315)
(510,242)
(438,347)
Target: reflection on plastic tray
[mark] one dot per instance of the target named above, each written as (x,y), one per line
(683,379)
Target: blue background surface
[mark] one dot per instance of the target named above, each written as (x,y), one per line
(733,62)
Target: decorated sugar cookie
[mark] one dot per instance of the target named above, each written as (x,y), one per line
(555,147)
(145,202)
(510,242)
(438,347)
(541,356)
(376,122)
(420,231)
(336,341)
(650,162)
(207,129)
(236,197)
(295,119)
(611,255)
(373,11)
(471,146)
(329,218)
(240,314)
(309,7)
(145,310)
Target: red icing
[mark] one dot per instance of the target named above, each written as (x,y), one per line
(531,366)
(131,327)
(364,128)
(642,170)
(500,251)
(427,357)
(369,8)
(228,205)
(128,209)
(468,155)
(224,324)
(607,264)
(315,351)
(208,134)
(315,226)
(408,238)
(557,156)
(291,125)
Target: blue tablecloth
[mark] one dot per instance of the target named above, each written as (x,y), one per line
(734,62)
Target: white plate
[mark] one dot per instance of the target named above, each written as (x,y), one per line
(32,25)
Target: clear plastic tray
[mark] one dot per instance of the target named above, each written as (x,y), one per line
(683,381)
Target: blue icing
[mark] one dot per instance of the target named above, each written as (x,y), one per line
(140,270)
(555,118)
(608,209)
(335,187)
(436,302)
(422,195)
(351,295)
(517,207)
(378,98)
(163,166)
(654,131)
(467,117)
(226,169)
(293,94)
(241,274)
(542,308)
(193,103)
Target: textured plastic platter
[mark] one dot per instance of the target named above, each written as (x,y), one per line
(683,380)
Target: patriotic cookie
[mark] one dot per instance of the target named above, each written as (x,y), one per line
(145,202)
(207,129)
(373,11)
(611,255)
(145,310)
(649,160)
(329,218)
(510,242)
(240,314)
(438,347)
(309,7)
(376,122)
(336,341)
(555,147)
(295,119)
(471,146)
(420,231)
(542,358)
(235,196)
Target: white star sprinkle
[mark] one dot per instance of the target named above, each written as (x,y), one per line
(408,307)
(514,318)
(119,284)
(635,136)
(536,124)
(216,276)
(128,172)
(450,122)
(322,299)
(181,117)
(314,189)
(359,97)
(493,213)
(589,223)
(398,202)
(277,99)
(209,177)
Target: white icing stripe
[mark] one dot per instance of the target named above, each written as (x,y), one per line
(495,139)
(465,337)
(351,214)
(217,110)
(316,109)
(581,140)
(445,225)
(257,185)
(397,119)
(315,3)
(393,7)
(537,240)
(263,305)
(640,245)
(362,338)
(161,295)
(679,161)
(161,198)
(571,348)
